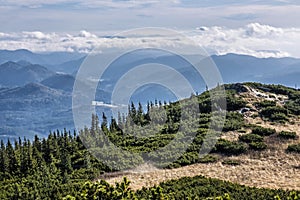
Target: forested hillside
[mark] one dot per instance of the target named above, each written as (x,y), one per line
(262,122)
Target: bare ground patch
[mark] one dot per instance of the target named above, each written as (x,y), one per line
(271,168)
(263,170)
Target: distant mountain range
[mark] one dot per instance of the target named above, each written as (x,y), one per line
(36,89)
(21,73)
(241,68)
(233,67)
(55,58)
(33,109)
(59,81)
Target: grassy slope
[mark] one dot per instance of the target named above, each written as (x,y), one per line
(270,168)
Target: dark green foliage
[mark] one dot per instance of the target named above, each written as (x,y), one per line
(187,158)
(3,159)
(292,105)
(49,165)
(279,117)
(251,138)
(231,162)
(287,135)
(294,148)
(200,187)
(157,193)
(265,104)
(197,187)
(208,159)
(102,190)
(13,164)
(204,103)
(276,89)
(229,148)
(275,113)
(37,171)
(234,103)
(234,121)
(60,166)
(258,146)
(263,131)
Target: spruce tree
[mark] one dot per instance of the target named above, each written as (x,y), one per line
(3,158)
(13,165)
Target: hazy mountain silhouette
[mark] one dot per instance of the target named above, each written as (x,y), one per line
(21,73)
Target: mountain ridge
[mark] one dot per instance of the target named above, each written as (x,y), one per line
(15,74)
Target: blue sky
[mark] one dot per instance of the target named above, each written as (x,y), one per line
(261,28)
(95,15)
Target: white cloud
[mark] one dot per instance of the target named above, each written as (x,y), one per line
(38,35)
(258,30)
(86,34)
(253,39)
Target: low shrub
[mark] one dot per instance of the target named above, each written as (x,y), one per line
(287,135)
(294,148)
(264,104)
(229,148)
(208,159)
(257,146)
(293,106)
(234,121)
(258,130)
(275,113)
(231,162)
(279,117)
(207,188)
(251,138)
(234,103)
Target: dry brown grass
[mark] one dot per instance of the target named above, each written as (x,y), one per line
(268,170)
(272,168)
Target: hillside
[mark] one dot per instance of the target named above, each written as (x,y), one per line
(57,71)
(259,147)
(63,82)
(33,109)
(18,74)
(270,167)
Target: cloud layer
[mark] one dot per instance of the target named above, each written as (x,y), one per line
(253,39)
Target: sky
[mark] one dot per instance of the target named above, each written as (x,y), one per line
(261,28)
